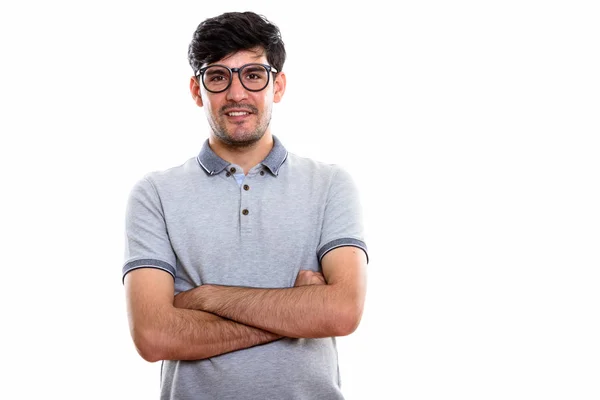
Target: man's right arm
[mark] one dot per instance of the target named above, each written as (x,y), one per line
(161,331)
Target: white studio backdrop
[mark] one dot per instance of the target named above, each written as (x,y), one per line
(471,129)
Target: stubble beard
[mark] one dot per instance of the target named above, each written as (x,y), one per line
(240,139)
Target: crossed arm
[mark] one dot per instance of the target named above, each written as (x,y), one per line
(210,320)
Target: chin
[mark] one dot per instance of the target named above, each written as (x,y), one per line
(242,139)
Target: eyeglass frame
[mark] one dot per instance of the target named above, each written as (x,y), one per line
(270,69)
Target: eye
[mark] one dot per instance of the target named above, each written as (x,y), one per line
(255,73)
(216,75)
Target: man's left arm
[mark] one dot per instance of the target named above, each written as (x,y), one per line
(309,311)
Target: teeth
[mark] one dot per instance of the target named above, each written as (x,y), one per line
(237,114)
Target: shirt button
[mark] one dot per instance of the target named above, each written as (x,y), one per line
(246,187)
(232,170)
(262,172)
(227,174)
(245,211)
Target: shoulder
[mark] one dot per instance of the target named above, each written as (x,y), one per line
(326,174)
(170,178)
(307,166)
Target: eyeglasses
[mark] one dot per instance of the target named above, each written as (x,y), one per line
(254,77)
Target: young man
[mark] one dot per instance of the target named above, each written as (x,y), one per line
(244,263)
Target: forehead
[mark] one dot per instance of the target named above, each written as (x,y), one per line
(256,55)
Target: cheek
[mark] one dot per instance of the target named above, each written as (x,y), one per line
(210,112)
(263,101)
(212,108)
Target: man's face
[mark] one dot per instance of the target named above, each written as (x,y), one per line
(237,116)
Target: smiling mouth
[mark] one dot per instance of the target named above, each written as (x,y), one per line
(237,113)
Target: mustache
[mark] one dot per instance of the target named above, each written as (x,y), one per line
(239,106)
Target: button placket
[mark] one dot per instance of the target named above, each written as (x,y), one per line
(246,205)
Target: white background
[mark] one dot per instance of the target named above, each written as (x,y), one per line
(471,129)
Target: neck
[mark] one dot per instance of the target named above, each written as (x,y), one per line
(246,157)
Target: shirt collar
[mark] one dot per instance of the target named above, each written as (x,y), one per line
(213,164)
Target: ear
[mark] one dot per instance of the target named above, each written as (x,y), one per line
(278,87)
(195,91)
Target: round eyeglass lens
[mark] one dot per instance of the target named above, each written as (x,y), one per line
(216,78)
(254,77)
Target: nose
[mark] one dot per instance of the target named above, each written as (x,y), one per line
(236,91)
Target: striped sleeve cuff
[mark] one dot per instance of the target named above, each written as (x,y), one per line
(340,243)
(147,263)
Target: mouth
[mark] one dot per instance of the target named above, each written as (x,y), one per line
(237,113)
(238,116)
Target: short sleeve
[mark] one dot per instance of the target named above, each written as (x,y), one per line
(147,243)
(342,221)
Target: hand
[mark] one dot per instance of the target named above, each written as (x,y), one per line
(307,277)
(179,300)
(192,299)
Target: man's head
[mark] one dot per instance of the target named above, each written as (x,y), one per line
(238,111)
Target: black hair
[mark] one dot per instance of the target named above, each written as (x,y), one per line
(218,37)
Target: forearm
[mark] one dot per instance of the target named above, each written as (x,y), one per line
(181,334)
(302,312)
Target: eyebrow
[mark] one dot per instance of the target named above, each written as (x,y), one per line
(214,71)
(253,68)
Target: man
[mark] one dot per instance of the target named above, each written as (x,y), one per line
(244,263)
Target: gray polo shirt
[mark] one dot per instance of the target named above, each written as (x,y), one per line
(195,222)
